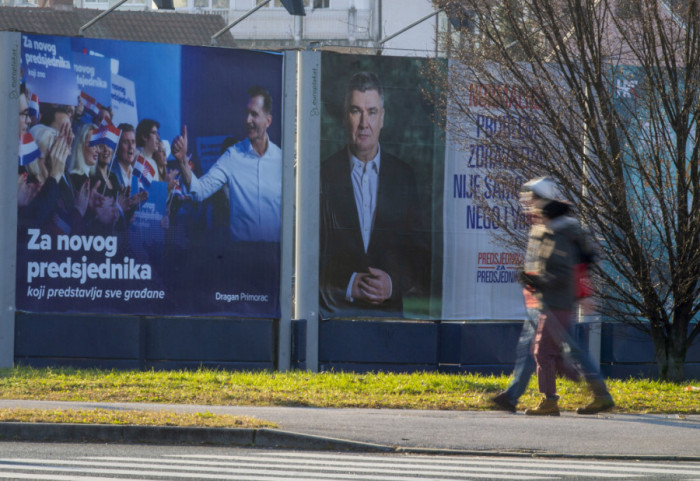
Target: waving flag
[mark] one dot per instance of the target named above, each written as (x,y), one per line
(28,150)
(106,134)
(98,132)
(143,171)
(34,106)
(90,107)
(178,193)
(105,122)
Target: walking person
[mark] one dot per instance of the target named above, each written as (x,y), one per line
(557,246)
(524,361)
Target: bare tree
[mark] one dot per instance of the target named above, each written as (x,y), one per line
(615,87)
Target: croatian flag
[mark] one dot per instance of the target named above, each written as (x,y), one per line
(177,192)
(105,122)
(106,134)
(34,106)
(28,150)
(90,106)
(143,171)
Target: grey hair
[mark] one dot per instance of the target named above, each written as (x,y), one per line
(362,82)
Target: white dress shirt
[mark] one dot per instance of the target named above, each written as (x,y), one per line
(255,190)
(365,185)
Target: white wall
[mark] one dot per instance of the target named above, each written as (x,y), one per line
(419,40)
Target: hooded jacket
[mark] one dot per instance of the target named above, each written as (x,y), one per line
(553,250)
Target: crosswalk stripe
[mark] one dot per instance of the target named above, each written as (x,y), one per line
(377,467)
(405,470)
(242,474)
(55,477)
(429,459)
(303,466)
(417,461)
(264,477)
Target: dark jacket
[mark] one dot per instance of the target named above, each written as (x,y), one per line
(398,242)
(553,250)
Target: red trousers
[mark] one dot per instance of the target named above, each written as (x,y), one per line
(547,349)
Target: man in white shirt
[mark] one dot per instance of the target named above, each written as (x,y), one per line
(252,171)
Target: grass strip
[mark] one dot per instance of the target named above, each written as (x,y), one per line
(422,390)
(128,417)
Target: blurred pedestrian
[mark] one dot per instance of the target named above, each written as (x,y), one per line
(550,274)
(524,361)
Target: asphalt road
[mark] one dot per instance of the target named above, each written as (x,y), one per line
(602,436)
(94,462)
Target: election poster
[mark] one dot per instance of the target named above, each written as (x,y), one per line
(480,272)
(123,95)
(120,207)
(381,187)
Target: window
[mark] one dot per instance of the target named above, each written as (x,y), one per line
(278,3)
(307,3)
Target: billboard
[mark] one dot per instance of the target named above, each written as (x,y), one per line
(401,235)
(149,179)
(480,279)
(381,154)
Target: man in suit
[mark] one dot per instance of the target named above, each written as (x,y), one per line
(373,243)
(126,154)
(122,166)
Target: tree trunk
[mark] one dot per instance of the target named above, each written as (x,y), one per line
(676,364)
(670,358)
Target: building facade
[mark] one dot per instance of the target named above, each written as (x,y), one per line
(357,26)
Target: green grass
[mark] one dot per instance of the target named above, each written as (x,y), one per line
(299,388)
(129,417)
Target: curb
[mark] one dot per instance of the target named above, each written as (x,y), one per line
(174,435)
(259,438)
(544,454)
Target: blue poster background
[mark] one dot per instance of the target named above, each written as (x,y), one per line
(47,65)
(175,257)
(154,68)
(93,76)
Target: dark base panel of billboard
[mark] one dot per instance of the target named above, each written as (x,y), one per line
(162,343)
(130,342)
(397,343)
(463,347)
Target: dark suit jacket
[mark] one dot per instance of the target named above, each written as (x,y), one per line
(117,171)
(398,242)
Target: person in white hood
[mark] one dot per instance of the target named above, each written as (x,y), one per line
(557,248)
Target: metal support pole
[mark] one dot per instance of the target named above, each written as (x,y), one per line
(377,20)
(236,22)
(99,17)
(9,151)
(386,39)
(307,195)
(298,29)
(289,112)
(593,320)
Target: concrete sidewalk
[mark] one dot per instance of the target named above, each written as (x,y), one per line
(601,436)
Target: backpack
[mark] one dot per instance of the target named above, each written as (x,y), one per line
(588,256)
(583,287)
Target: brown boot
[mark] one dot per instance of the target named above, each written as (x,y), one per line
(599,404)
(547,407)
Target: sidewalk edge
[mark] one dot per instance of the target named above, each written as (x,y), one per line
(259,438)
